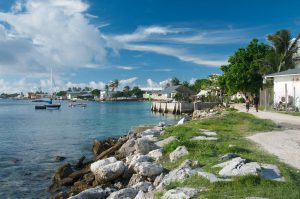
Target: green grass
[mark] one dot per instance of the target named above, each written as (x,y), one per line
(232,128)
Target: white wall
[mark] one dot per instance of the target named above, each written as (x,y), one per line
(291,82)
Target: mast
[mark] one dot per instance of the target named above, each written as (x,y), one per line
(51,91)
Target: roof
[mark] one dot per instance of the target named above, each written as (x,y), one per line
(176,89)
(289,72)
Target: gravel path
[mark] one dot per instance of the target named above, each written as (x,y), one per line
(284,144)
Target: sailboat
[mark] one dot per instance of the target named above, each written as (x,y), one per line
(50,104)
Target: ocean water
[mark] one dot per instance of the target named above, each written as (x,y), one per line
(31,139)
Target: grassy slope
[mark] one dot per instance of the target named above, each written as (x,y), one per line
(232,129)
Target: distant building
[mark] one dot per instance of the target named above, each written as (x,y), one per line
(169,93)
(149,92)
(31,95)
(78,95)
(286,86)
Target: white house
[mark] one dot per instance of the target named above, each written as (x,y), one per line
(286,86)
(169,93)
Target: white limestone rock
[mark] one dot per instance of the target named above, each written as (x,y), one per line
(155,154)
(150,134)
(107,170)
(127,148)
(166,141)
(204,138)
(182,193)
(182,121)
(144,146)
(238,167)
(148,169)
(234,161)
(184,171)
(100,163)
(131,161)
(94,193)
(178,153)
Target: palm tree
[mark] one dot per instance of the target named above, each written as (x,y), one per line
(285,48)
(175,81)
(114,84)
(126,88)
(106,88)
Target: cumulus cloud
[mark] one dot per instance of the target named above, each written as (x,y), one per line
(51,33)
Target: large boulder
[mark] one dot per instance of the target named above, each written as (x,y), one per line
(132,160)
(144,146)
(148,169)
(178,153)
(166,141)
(155,154)
(182,193)
(94,193)
(107,169)
(238,167)
(127,148)
(184,171)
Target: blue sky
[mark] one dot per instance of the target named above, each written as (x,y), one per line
(141,42)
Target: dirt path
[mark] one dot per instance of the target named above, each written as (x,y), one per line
(284,144)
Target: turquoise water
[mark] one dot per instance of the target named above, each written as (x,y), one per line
(31,139)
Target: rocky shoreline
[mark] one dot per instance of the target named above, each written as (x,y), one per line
(129,166)
(124,165)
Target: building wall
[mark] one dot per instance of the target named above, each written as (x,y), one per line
(293,89)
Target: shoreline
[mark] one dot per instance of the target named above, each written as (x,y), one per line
(78,177)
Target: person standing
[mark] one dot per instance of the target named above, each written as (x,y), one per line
(256,102)
(247,101)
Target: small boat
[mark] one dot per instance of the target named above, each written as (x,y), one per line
(48,106)
(52,106)
(39,107)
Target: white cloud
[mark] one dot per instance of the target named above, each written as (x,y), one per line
(164,83)
(144,33)
(49,33)
(125,67)
(160,70)
(174,52)
(125,82)
(152,84)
